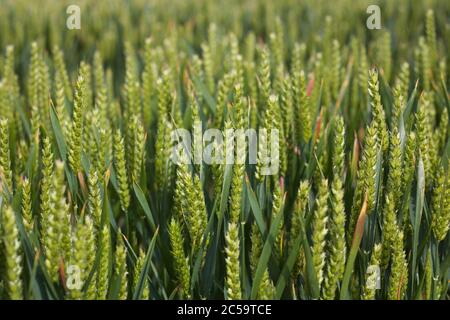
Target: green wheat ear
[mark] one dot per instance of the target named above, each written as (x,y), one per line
(257,246)
(56,236)
(181,261)
(303,122)
(121,171)
(366,175)
(46,183)
(5,158)
(441,205)
(320,230)
(390,228)
(233,278)
(337,246)
(370,287)
(12,255)
(301,207)
(103,274)
(398,281)
(427,292)
(95,201)
(75,138)
(83,258)
(27,214)
(266,288)
(378,111)
(120,267)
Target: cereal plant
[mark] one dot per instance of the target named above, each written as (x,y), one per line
(126,170)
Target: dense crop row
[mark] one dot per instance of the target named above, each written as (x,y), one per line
(93,207)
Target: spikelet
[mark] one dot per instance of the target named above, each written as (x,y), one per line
(442,132)
(425,64)
(60,101)
(427,292)
(86,89)
(303,123)
(394,181)
(389,229)
(181,262)
(138,149)
(257,247)
(190,205)
(62,71)
(430,29)
(372,274)
(273,121)
(409,162)
(264,84)
(266,289)
(101,104)
(277,209)
(148,84)
(301,207)
(213,44)
(99,77)
(5,157)
(423,135)
(441,205)
(336,246)
(397,106)
(223,90)
(105,146)
(10,76)
(131,87)
(363,74)
(384,54)
(233,281)
(75,138)
(26,205)
(5,102)
(56,237)
(103,273)
(366,177)
(239,166)
(83,258)
(335,71)
(120,267)
(208,68)
(369,163)
(121,171)
(163,149)
(164,96)
(286,108)
(398,281)
(10,93)
(46,182)
(95,201)
(12,255)
(377,111)
(34,79)
(320,230)
(402,82)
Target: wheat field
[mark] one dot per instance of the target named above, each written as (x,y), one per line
(93,205)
